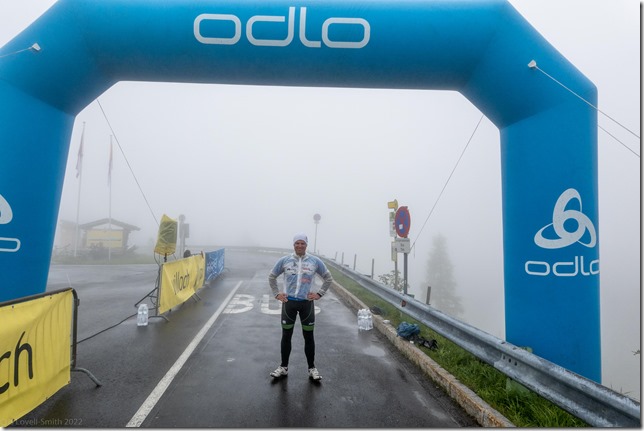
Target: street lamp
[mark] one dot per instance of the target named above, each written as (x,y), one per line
(316,220)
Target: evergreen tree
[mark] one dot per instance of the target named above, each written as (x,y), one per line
(440,276)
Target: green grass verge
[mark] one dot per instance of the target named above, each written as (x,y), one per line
(518,404)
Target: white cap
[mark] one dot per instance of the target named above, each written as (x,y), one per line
(300,237)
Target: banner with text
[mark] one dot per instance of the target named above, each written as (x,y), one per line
(214,263)
(180,280)
(35,352)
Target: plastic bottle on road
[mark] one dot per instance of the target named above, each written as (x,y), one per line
(368,319)
(142,315)
(365,322)
(361,320)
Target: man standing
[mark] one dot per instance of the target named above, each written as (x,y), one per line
(299,270)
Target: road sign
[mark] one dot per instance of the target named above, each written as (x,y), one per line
(403,222)
(392,225)
(393,204)
(402,245)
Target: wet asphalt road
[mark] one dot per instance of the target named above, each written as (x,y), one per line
(225,382)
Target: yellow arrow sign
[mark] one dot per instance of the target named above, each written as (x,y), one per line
(393,204)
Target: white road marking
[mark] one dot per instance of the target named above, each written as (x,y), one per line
(265,306)
(240,304)
(164,383)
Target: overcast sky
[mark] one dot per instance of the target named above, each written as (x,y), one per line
(231,157)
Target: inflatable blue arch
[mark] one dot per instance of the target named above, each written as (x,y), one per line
(480,48)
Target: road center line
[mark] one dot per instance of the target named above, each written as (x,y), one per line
(164,383)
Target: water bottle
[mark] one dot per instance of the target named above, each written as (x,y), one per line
(142,315)
(365,322)
(361,320)
(368,320)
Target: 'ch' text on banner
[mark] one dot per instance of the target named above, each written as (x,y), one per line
(35,353)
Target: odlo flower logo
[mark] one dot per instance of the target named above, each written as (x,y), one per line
(6,215)
(569,226)
(560,216)
(10,245)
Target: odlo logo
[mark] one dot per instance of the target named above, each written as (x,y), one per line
(10,245)
(231,38)
(556,235)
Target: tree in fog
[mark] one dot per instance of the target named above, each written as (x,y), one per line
(390,280)
(440,276)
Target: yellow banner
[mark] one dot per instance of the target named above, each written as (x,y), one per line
(106,238)
(167,237)
(180,280)
(35,357)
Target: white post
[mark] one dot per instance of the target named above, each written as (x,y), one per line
(109,183)
(79,173)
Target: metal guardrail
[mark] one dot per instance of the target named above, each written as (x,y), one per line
(598,405)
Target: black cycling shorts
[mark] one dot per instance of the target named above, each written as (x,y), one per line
(306,310)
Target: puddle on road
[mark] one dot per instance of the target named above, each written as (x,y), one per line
(374,351)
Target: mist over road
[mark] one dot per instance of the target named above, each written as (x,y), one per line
(225,381)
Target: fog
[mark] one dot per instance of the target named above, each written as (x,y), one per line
(251,165)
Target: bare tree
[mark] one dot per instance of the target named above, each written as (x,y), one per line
(390,279)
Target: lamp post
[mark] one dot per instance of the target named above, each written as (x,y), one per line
(316,220)
(182,234)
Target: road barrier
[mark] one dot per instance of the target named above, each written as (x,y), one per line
(179,280)
(36,358)
(215,262)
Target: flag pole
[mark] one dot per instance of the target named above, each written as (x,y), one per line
(79,175)
(109,183)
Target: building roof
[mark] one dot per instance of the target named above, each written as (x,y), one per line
(114,222)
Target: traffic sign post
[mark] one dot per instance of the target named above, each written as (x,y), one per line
(403,222)
(402,245)
(399,225)
(405,272)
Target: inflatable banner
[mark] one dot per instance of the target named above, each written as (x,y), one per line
(35,358)
(482,49)
(214,263)
(180,280)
